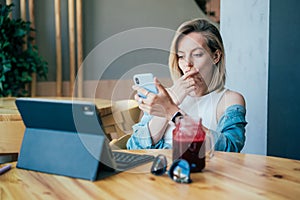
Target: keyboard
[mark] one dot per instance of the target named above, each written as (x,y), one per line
(127,161)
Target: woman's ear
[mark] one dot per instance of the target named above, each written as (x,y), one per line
(217,56)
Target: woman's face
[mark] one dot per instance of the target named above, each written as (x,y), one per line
(193,52)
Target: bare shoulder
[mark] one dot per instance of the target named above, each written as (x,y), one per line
(231,98)
(228,99)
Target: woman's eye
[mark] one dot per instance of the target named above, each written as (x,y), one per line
(180,57)
(197,54)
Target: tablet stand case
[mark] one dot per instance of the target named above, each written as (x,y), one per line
(64,139)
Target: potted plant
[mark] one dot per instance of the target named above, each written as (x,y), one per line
(18,57)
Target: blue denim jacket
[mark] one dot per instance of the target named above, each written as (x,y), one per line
(229,136)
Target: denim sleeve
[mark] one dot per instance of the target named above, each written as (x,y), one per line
(141,138)
(230,133)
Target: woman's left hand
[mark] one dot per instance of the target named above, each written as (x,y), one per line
(160,104)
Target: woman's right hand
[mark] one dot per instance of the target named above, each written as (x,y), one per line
(160,104)
(183,86)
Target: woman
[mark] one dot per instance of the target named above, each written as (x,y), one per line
(197,67)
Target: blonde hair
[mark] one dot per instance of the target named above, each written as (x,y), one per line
(214,42)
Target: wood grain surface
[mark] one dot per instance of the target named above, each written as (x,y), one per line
(226,176)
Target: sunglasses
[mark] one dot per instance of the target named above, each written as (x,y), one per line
(178,172)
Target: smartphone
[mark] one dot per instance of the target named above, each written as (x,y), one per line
(146,81)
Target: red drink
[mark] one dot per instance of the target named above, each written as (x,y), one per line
(191,151)
(189,144)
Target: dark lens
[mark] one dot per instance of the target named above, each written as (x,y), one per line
(180,171)
(159,166)
(137,81)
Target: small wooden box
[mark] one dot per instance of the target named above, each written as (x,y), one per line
(125,113)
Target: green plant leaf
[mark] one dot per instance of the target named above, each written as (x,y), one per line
(17,63)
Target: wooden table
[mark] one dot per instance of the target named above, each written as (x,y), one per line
(11,126)
(226,176)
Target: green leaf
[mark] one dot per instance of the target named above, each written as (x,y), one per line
(6,68)
(17,63)
(6,43)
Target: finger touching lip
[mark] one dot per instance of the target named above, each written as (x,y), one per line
(191,72)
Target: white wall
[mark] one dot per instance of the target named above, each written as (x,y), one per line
(245,31)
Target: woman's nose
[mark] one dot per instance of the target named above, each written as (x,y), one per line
(188,62)
(188,66)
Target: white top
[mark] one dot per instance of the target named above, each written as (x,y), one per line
(204,107)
